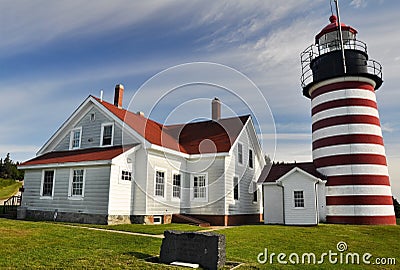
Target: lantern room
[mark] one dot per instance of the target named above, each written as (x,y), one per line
(337,53)
(329,37)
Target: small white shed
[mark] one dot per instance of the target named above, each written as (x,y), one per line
(293,194)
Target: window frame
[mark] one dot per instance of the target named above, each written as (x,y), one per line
(71,138)
(251,157)
(199,199)
(70,185)
(240,153)
(159,220)
(128,174)
(42,184)
(236,188)
(103,125)
(164,183)
(298,199)
(173,185)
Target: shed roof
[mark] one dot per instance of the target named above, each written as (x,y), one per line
(276,171)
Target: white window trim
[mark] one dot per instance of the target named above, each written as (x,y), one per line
(233,190)
(192,198)
(172,185)
(42,182)
(304,201)
(237,154)
(71,134)
(71,176)
(157,222)
(248,159)
(157,169)
(112,134)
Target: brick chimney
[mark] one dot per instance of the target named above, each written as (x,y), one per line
(118,95)
(215,109)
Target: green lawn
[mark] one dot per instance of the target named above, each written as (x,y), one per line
(33,245)
(245,242)
(39,245)
(147,229)
(8,188)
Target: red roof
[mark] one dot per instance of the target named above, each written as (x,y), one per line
(191,138)
(275,171)
(89,154)
(333,26)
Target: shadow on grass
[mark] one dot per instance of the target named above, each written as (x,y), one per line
(139,255)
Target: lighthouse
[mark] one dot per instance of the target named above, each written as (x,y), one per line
(341,80)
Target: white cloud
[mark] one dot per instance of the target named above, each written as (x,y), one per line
(38,22)
(358,3)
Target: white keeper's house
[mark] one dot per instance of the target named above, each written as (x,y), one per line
(108,165)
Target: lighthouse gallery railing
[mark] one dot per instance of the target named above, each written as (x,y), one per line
(313,51)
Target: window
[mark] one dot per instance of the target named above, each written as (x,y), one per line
(92,117)
(251,165)
(160,180)
(176,186)
(298,196)
(240,153)
(255,193)
(107,133)
(126,175)
(48,184)
(77,180)
(157,220)
(75,138)
(236,188)
(199,187)
(255,196)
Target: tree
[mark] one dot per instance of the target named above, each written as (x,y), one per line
(7,164)
(396,205)
(9,169)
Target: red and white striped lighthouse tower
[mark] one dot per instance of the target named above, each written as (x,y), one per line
(347,143)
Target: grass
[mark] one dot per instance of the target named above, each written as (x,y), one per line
(41,245)
(244,243)
(146,229)
(38,245)
(8,188)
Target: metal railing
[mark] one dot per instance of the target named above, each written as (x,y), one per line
(12,203)
(313,51)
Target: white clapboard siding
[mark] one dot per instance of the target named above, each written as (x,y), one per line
(299,216)
(120,190)
(139,197)
(246,175)
(95,200)
(215,169)
(168,163)
(91,132)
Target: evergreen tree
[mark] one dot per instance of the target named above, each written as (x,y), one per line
(1,168)
(7,166)
(396,205)
(9,170)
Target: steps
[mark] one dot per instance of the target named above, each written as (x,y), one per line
(179,218)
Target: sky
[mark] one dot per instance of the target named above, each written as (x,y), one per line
(54,54)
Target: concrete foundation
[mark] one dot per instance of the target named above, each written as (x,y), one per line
(24,213)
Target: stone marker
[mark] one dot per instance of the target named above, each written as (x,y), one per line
(205,248)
